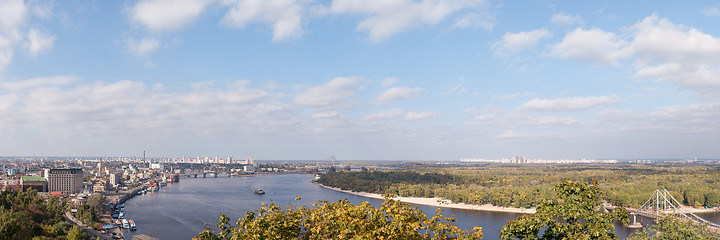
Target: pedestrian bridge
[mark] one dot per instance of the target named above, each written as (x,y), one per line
(661,204)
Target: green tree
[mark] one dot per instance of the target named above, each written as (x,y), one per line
(575,215)
(671,228)
(14,225)
(75,233)
(96,201)
(694,197)
(340,220)
(712,199)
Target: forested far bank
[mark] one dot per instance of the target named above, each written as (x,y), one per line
(527,185)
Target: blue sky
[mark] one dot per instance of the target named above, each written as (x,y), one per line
(361,80)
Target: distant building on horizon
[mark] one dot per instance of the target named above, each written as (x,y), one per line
(157,165)
(66,180)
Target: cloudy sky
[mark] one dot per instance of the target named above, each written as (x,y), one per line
(360,79)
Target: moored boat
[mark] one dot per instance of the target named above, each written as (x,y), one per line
(132,225)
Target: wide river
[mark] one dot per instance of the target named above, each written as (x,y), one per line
(182,210)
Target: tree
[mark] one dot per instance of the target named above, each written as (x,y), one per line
(340,220)
(670,228)
(24,215)
(712,199)
(13,225)
(96,201)
(575,215)
(75,233)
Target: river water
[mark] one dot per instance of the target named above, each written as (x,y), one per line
(182,210)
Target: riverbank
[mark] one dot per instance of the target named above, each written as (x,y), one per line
(700,210)
(439,202)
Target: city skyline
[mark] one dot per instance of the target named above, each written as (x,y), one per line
(365,80)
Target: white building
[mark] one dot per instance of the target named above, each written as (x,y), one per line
(157,166)
(115,179)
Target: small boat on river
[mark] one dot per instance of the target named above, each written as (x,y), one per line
(132,225)
(258,191)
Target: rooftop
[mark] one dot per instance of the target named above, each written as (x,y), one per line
(33,179)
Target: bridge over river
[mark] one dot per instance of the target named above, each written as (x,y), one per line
(215,174)
(661,204)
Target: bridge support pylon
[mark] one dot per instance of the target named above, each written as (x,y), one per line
(635,223)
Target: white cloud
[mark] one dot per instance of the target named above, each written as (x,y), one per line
(457,90)
(41,9)
(389,17)
(330,94)
(676,53)
(472,110)
(703,77)
(144,46)
(284,16)
(555,121)
(411,116)
(661,50)
(392,113)
(331,114)
(697,120)
(389,81)
(711,11)
(569,104)
(38,41)
(398,93)
(485,117)
(14,18)
(7,101)
(508,134)
(594,45)
(6,52)
(128,107)
(167,15)
(13,15)
(38,83)
(658,39)
(515,42)
(566,19)
(475,20)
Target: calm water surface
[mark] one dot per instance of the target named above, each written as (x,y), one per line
(181,210)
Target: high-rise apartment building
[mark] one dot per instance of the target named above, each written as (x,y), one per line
(66,181)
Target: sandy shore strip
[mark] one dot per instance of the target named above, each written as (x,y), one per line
(439,202)
(699,210)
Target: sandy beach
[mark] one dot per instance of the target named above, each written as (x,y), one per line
(699,210)
(440,202)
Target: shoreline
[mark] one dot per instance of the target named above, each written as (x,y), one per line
(439,202)
(444,203)
(700,210)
